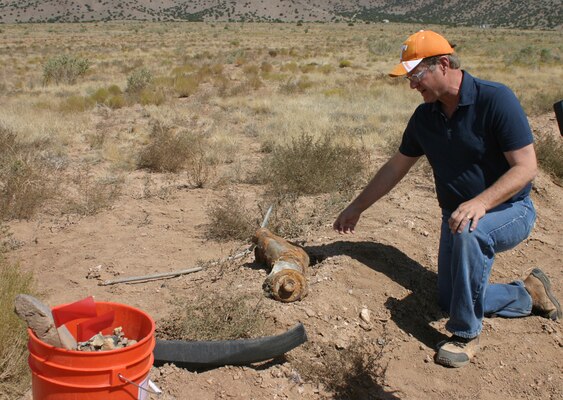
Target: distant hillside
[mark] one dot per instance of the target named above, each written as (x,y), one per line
(539,14)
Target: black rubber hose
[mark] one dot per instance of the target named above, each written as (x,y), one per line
(208,354)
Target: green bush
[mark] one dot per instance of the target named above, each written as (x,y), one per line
(138,80)
(64,69)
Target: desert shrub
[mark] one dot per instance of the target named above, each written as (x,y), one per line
(251,69)
(230,219)
(138,80)
(345,63)
(166,151)
(354,373)
(114,90)
(201,166)
(292,86)
(185,86)
(307,68)
(111,96)
(116,101)
(266,67)
(74,104)
(93,194)
(311,166)
(289,67)
(100,96)
(326,69)
(64,69)
(14,372)
(151,95)
(381,47)
(215,316)
(549,149)
(237,57)
(530,56)
(25,177)
(540,100)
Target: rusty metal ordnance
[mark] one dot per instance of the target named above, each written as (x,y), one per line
(286,281)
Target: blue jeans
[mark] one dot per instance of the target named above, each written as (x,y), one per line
(464,266)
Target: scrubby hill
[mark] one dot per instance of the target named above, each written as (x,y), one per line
(541,14)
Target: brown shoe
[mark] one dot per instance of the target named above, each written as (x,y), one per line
(544,302)
(457,351)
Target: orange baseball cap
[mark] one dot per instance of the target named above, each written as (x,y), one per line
(418,46)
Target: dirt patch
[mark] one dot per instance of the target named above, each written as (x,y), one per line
(388,267)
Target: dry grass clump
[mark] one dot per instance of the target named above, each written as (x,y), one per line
(93,194)
(549,149)
(166,151)
(231,219)
(539,100)
(14,373)
(169,150)
(112,97)
(26,178)
(308,166)
(75,104)
(215,316)
(352,373)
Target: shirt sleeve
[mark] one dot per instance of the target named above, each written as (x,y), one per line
(510,124)
(410,146)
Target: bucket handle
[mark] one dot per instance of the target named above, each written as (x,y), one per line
(124,379)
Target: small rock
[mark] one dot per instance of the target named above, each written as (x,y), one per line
(365,327)
(310,313)
(427,359)
(339,345)
(365,315)
(108,343)
(38,317)
(97,340)
(94,272)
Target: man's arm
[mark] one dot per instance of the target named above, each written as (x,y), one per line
(523,168)
(384,180)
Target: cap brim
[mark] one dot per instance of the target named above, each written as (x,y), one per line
(404,68)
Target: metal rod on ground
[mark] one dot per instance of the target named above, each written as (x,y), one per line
(267,217)
(153,276)
(187,271)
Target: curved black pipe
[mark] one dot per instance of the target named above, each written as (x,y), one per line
(199,355)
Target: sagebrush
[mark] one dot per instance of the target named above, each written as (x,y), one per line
(308,166)
(64,69)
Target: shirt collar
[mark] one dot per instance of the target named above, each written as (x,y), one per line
(466,92)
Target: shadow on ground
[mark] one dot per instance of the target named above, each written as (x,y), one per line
(412,313)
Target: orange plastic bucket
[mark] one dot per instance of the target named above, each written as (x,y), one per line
(104,375)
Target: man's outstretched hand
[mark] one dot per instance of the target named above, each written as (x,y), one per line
(347,220)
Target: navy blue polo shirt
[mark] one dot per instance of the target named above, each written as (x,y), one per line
(466,151)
